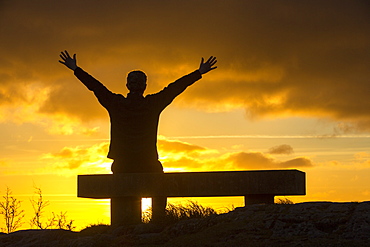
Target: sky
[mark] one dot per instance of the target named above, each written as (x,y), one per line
(291,91)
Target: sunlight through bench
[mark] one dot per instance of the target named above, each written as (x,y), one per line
(257,187)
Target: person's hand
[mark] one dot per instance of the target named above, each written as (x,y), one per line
(71,63)
(205,67)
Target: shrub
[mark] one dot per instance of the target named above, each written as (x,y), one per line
(284,201)
(38,208)
(12,214)
(57,221)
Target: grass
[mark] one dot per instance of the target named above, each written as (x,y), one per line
(175,213)
(191,210)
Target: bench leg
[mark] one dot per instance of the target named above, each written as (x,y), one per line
(258,199)
(158,209)
(125,210)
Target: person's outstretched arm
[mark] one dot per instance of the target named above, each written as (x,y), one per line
(177,87)
(101,92)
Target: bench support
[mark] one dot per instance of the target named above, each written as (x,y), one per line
(127,210)
(258,199)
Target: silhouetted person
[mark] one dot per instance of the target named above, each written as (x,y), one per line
(134,118)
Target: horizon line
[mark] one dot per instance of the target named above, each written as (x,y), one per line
(269,136)
(220,137)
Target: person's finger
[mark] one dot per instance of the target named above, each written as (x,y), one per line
(62,62)
(211,59)
(74,56)
(62,55)
(67,53)
(202,61)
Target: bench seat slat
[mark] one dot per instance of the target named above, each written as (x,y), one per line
(193,184)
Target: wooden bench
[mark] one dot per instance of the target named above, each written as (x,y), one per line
(124,189)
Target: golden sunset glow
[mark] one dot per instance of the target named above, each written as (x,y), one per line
(291,91)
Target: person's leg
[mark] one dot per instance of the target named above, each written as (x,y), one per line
(158,209)
(125,210)
(158,203)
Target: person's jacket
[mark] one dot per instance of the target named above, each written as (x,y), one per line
(134,119)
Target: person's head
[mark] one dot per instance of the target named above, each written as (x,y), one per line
(136,81)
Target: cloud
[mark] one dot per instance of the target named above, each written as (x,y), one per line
(362,160)
(281,149)
(177,155)
(256,160)
(189,157)
(288,58)
(297,162)
(184,163)
(174,155)
(81,159)
(169,146)
(359,161)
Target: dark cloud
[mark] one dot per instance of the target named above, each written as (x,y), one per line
(297,162)
(281,58)
(281,149)
(256,160)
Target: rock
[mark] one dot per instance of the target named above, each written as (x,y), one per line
(30,238)
(302,224)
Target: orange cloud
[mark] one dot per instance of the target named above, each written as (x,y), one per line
(184,164)
(256,160)
(24,105)
(77,160)
(272,60)
(362,160)
(174,155)
(169,146)
(183,157)
(359,161)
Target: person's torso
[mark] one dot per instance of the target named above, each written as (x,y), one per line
(134,125)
